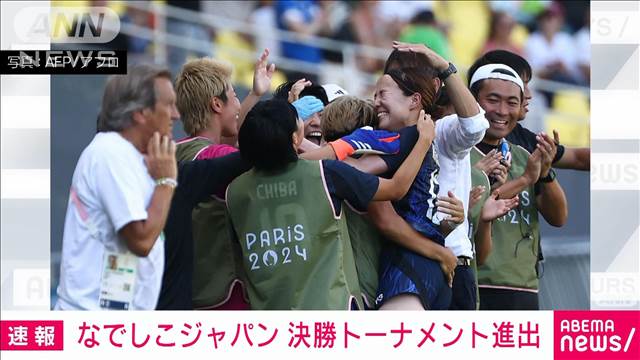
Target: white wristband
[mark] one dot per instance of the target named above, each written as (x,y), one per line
(167,181)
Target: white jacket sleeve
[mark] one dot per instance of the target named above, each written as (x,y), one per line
(456,136)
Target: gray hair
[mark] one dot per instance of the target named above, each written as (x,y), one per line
(125,94)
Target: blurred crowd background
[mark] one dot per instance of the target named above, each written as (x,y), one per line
(347,42)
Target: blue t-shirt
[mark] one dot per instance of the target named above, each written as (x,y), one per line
(306,10)
(419,205)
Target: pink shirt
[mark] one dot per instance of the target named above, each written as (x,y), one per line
(215,151)
(212,151)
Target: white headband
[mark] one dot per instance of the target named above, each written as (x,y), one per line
(488,72)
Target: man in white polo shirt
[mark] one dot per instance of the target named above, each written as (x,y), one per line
(112,247)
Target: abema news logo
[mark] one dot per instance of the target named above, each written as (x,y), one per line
(598,335)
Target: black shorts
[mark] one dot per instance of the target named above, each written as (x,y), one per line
(505,299)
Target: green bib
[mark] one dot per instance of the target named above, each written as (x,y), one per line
(366,242)
(189,150)
(515,236)
(478,177)
(296,252)
(217,258)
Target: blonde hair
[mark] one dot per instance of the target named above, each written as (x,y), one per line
(345,114)
(200,80)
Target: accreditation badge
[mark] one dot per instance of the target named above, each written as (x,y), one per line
(118,280)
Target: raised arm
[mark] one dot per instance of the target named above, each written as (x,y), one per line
(387,220)
(551,202)
(460,132)
(363,141)
(463,101)
(200,179)
(573,158)
(141,235)
(262,76)
(370,164)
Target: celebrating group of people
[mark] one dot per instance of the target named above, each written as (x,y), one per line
(427,197)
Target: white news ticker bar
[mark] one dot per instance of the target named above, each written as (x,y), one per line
(447,326)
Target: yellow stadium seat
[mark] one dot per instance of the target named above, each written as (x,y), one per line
(571,102)
(573,131)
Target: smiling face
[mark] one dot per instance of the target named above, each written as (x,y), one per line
(313,129)
(501,100)
(394,109)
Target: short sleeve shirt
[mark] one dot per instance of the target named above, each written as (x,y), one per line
(114,187)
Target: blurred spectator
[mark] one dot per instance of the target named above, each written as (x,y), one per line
(583,48)
(136,46)
(574,11)
(337,13)
(368,28)
(500,31)
(265,36)
(424,29)
(510,7)
(305,18)
(396,16)
(524,12)
(265,27)
(341,31)
(191,33)
(552,52)
(232,10)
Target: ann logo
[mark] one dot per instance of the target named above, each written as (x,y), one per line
(67,24)
(78,25)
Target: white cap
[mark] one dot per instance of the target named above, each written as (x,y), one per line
(334,91)
(489,72)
